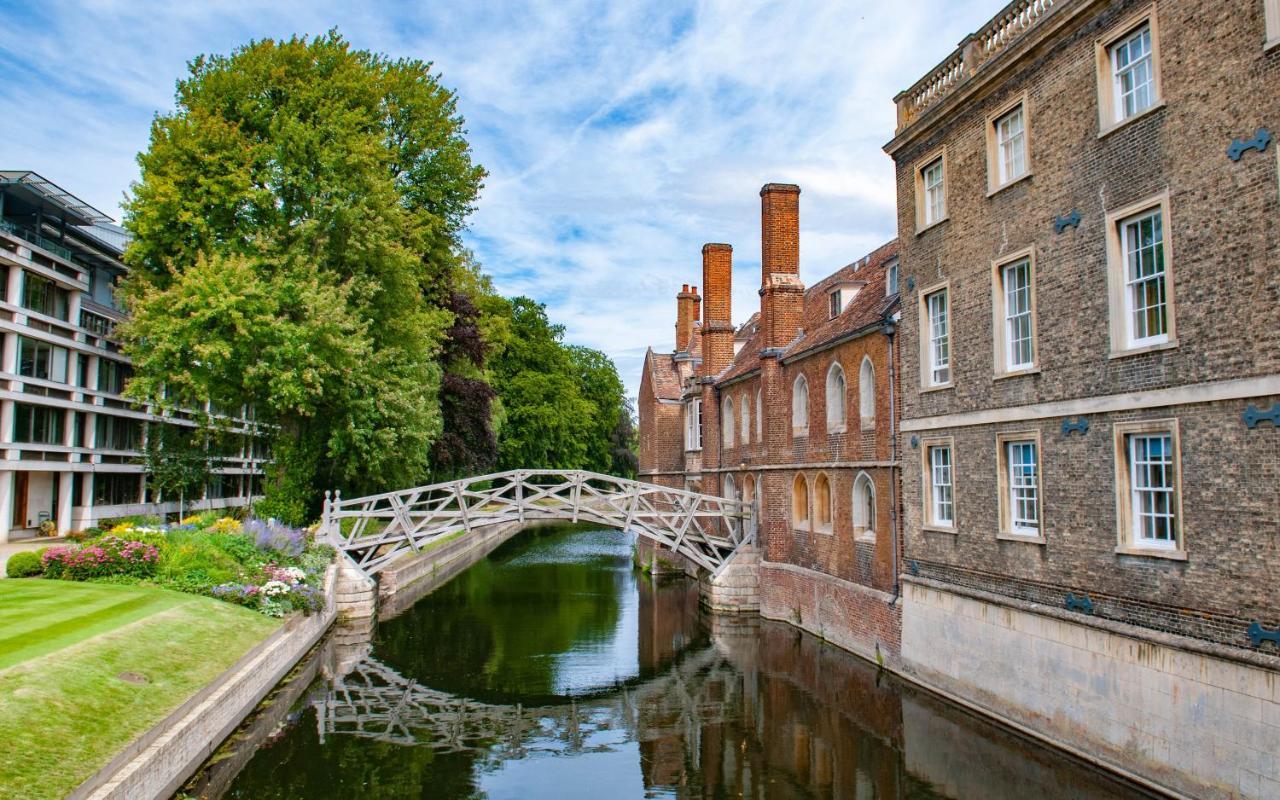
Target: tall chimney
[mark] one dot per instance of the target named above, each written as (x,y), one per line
(717,319)
(781,292)
(687,303)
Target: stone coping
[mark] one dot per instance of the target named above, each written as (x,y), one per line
(1163,638)
(157,762)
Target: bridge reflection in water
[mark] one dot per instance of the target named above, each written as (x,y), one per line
(707,707)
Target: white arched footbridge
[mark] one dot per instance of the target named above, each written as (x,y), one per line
(376,530)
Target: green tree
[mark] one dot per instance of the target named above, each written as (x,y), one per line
(296,245)
(178,462)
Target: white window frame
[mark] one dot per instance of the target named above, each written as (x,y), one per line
(931,193)
(834,306)
(744,415)
(864,524)
(1124,340)
(693,424)
(932,344)
(1132,486)
(1000,172)
(837,399)
(1112,113)
(1018,316)
(892,275)
(867,393)
(726,421)
(1014,487)
(800,406)
(1271,10)
(937,476)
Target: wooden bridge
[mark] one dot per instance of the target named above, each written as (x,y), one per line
(373,701)
(376,530)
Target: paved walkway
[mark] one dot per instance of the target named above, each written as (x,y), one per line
(9,548)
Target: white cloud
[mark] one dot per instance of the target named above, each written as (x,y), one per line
(619,137)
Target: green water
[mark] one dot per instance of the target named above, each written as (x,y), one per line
(552,669)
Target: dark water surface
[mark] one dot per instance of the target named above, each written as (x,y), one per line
(551,669)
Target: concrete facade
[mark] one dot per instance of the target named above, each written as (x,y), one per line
(70,443)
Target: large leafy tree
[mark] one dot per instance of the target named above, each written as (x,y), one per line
(296,247)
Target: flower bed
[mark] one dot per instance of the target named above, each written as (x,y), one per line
(260,564)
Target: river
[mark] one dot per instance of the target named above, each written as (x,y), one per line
(553,669)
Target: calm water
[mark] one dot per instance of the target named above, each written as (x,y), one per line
(552,670)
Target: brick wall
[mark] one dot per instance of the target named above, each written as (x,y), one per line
(1223,241)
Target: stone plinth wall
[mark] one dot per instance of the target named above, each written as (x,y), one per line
(1164,709)
(847,614)
(157,763)
(737,588)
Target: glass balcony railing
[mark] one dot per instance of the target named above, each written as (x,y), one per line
(36,239)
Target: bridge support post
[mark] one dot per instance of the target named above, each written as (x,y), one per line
(356,593)
(736,588)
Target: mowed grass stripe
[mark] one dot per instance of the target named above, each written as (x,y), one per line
(16,613)
(34,643)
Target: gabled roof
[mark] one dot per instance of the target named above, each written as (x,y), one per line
(663,376)
(869,307)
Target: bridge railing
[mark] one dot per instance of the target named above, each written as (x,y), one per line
(377,529)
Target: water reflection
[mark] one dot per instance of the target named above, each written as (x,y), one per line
(551,669)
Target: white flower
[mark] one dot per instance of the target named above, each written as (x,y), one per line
(275,588)
(294,574)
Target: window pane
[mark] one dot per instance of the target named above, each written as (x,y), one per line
(939,340)
(1152,485)
(1023,481)
(1019,346)
(940,481)
(1011,138)
(1133,74)
(1142,239)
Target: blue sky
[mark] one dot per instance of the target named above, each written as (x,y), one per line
(619,136)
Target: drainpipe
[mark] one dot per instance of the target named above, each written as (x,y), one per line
(889,331)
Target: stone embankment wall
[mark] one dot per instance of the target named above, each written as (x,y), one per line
(157,763)
(1185,715)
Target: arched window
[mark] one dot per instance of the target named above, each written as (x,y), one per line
(731,493)
(726,421)
(745,410)
(867,393)
(800,502)
(835,399)
(800,407)
(822,503)
(749,488)
(759,416)
(864,507)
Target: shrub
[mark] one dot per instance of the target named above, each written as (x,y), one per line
(226,525)
(23,565)
(241,548)
(191,562)
(276,537)
(132,521)
(109,555)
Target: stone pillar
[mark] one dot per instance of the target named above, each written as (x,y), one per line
(6,504)
(737,588)
(66,480)
(356,593)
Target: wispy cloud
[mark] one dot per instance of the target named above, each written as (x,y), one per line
(619,136)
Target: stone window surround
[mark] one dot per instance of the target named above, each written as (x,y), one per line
(1271,9)
(999,336)
(1005,530)
(867,531)
(840,397)
(937,155)
(926,475)
(726,422)
(867,393)
(744,417)
(1117,270)
(926,364)
(994,184)
(799,486)
(1107,121)
(1125,544)
(815,513)
(800,384)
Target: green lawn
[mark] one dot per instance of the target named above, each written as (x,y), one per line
(64,709)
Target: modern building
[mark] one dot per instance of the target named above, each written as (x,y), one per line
(72,445)
(792,410)
(1089,214)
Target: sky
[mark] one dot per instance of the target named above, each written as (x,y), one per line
(619,136)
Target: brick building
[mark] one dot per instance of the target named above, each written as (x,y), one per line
(793,410)
(1091,306)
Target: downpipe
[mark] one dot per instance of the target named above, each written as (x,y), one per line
(889,331)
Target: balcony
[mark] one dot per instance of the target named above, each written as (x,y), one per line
(31,237)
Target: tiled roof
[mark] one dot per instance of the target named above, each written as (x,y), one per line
(663,375)
(869,306)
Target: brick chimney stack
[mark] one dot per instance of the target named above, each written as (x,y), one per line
(717,319)
(781,292)
(687,314)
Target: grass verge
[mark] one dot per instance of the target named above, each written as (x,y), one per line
(65,709)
